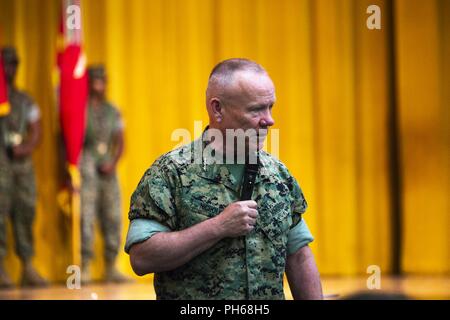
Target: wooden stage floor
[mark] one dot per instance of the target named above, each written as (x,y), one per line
(416,287)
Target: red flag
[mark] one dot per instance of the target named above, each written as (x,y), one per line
(73,97)
(72,109)
(73,90)
(4,104)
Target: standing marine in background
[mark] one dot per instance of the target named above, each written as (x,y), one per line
(19,136)
(100,193)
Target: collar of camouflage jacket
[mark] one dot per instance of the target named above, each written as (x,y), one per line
(221,174)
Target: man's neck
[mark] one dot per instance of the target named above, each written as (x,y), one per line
(220,149)
(96,101)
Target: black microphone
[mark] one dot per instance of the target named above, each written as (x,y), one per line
(250,173)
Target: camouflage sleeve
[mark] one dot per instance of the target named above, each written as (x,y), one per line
(298,201)
(34,114)
(153,199)
(119,125)
(299,236)
(141,230)
(33,111)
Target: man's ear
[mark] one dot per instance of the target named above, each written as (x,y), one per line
(216,108)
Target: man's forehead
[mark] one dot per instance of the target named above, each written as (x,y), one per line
(249,84)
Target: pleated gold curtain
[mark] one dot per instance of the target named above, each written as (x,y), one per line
(339,85)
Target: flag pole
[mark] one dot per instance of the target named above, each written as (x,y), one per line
(76,214)
(73,95)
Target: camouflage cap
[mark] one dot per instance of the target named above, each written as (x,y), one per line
(96,72)
(9,55)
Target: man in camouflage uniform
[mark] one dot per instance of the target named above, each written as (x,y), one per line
(19,135)
(100,194)
(189,225)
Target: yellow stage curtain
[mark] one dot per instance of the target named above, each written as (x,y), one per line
(334,80)
(424,101)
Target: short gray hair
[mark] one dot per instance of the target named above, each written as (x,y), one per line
(223,73)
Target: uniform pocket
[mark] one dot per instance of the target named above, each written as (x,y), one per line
(197,204)
(189,219)
(208,199)
(275,221)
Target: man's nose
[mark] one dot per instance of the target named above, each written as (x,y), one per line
(267,119)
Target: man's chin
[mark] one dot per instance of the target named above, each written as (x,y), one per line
(256,147)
